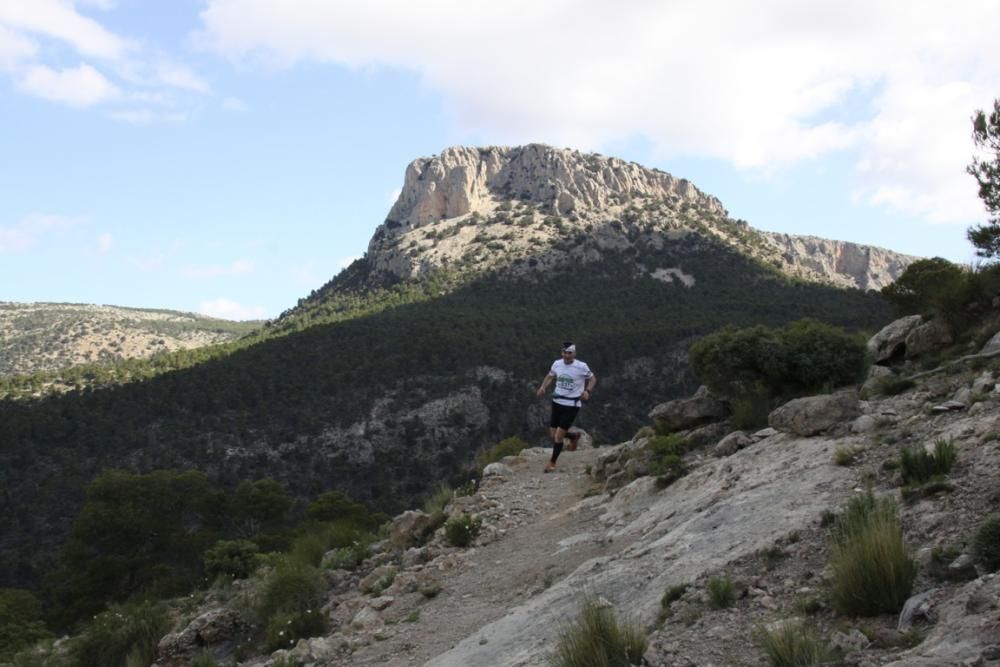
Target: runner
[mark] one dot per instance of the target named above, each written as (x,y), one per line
(574,384)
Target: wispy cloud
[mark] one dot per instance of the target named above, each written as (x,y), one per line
(228,309)
(147,116)
(35,34)
(30,231)
(105,242)
(81,86)
(767,87)
(236,268)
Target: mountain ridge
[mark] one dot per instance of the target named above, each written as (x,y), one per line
(480,207)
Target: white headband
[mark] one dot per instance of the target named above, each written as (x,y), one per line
(571,348)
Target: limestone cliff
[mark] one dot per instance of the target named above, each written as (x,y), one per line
(481,208)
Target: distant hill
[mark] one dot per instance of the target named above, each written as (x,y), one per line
(391,377)
(36,337)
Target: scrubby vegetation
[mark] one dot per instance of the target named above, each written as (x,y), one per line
(986,544)
(918,465)
(794,644)
(873,572)
(721,592)
(461,531)
(757,364)
(511,446)
(122,636)
(598,639)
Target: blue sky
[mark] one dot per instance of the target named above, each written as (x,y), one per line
(229,156)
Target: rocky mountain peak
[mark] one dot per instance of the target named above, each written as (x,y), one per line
(474,209)
(463,180)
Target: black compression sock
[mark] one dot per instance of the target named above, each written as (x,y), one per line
(556,450)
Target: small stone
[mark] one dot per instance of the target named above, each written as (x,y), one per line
(382,602)
(850,641)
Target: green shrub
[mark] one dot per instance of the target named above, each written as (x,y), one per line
(123,635)
(461,531)
(345,558)
(598,639)
(509,447)
(21,623)
(803,357)
(918,466)
(291,587)
(285,629)
(986,544)
(794,645)
(233,558)
(721,592)
(644,432)
(919,289)
(670,596)
(872,570)
(431,589)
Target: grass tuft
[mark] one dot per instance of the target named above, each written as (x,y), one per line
(872,571)
(794,644)
(986,544)
(721,592)
(598,639)
(919,466)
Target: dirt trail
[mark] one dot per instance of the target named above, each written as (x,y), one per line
(542,533)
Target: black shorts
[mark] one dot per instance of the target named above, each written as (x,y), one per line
(563,416)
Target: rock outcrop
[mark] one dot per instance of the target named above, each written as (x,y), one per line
(815,414)
(456,210)
(684,413)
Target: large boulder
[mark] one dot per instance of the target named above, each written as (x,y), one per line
(890,342)
(684,413)
(992,345)
(928,337)
(815,414)
(409,528)
(217,631)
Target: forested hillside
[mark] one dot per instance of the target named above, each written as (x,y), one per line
(384,405)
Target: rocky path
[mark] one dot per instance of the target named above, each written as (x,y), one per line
(537,533)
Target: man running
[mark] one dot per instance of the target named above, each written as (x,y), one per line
(574,383)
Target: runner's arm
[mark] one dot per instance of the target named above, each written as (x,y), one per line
(591,381)
(546,381)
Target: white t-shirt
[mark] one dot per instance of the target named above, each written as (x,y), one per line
(571,380)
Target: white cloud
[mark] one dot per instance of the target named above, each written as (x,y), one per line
(227,309)
(761,85)
(14,48)
(104,243)
(237,268)
(147,116)
(180,76)
(82,86)
(28,232)
(58,19)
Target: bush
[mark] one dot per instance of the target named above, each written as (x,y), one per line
(918,466)
(845,456)
(794,644)
(461,531)
(291,587)
(123,635)
(439,500)
(285,629)
(345,558)
(509,447)
(20,622)
(986,544)
(921,287)
(760,363)
(383,582)
(872,570)
(597,639)
(721,592)
(233,558)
